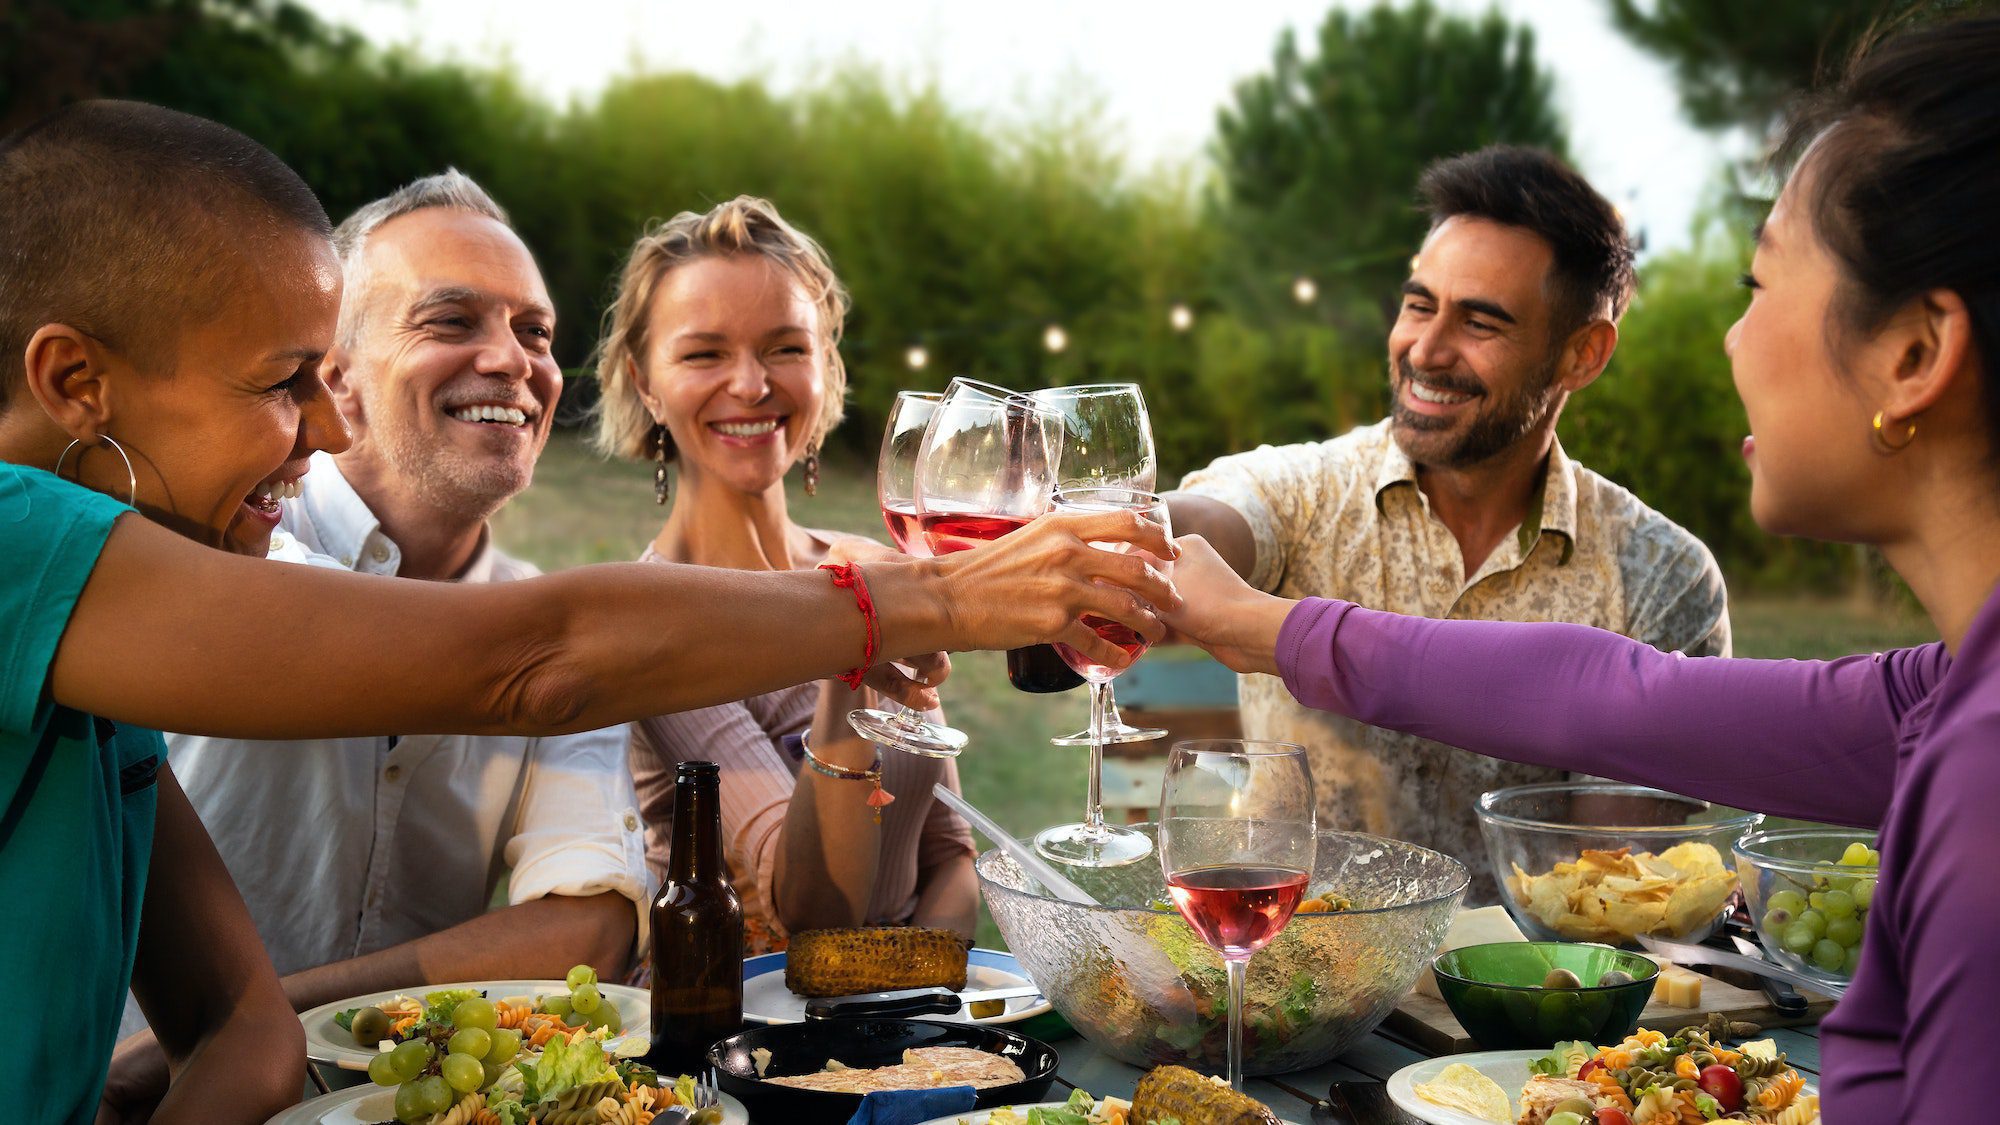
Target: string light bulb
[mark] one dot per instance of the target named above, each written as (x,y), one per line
(1055,339)
(1181,317)
(1304,290)
(917,357)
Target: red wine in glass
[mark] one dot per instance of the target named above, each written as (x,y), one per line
(904,528)
(1124,636)
(1237,909)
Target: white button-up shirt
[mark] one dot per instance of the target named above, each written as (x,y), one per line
(349,845)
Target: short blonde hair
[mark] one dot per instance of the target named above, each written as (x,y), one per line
(744,225)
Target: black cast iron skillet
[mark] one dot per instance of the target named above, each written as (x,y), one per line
(804,1048)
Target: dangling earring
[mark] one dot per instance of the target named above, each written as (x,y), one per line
(812,468)
(131,478)
(663,489)
(1880,437)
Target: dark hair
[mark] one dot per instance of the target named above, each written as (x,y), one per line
(1904,185)
(1534,190)
(123,220)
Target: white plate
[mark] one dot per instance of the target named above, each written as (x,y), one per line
(366,1105)
(1508,1068)
(327,1042)
(767,1000)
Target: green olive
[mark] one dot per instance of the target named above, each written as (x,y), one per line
(370,1026)
(1561,978)
(1614,976)
(1565,1118)
(1579,1106)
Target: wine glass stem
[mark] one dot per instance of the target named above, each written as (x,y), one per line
(1237,970)
(1093,810)
(908,718)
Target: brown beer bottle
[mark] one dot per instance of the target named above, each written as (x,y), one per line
(697,933)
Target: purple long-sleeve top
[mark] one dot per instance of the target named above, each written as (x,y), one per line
(1906,741)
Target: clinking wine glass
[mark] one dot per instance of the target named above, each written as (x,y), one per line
(1107,442)
(896,485)
(1095,843)
(1237,828)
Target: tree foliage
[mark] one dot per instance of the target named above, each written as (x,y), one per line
(1740,64)
(1319,158)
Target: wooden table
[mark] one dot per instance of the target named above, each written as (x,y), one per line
(1375,1059)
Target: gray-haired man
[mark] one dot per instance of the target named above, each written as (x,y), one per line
(369,864)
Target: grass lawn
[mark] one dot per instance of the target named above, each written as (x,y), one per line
(583,510)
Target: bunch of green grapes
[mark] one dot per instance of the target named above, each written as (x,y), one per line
(1823,926)
(449,1061)
(584,1004)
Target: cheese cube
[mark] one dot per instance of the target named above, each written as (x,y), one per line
(1679,988)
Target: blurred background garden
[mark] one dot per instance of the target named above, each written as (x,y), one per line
(1243,279)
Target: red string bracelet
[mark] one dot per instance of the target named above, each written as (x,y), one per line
(847,576)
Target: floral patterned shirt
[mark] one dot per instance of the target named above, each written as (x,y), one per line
(1345,519)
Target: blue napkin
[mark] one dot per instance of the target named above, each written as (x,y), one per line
(908,1107)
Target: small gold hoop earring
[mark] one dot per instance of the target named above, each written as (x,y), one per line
(1880,436)
(131,478)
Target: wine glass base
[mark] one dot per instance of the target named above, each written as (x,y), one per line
(1080,846)
(1113,735)
(925,739)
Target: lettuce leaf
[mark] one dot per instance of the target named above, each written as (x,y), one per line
(345,1019)
(563,1066)
(1563,1060)
(509,1111)
(438,1005)
(1711,1109)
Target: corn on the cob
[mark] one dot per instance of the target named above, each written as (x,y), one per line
(1175,1093)
(877,959)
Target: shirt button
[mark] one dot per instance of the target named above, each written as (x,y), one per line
(380,553)
(393,772)
(347,560)
(631,823)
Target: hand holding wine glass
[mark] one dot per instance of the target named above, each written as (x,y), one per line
(896,487)
(1237,841)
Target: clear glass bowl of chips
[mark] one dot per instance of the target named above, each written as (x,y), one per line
(1604,862)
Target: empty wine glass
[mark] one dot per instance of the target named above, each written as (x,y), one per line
(1107,441)
(1095,843)
(896,485)
(1236,843)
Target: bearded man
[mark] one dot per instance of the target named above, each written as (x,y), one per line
(1461,503)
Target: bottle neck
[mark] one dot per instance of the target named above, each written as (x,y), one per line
(697,847)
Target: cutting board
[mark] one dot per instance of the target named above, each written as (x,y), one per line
(1429,1024)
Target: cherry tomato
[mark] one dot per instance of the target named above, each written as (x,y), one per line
(1612,1115)
(1722,1084)
(1589,1068)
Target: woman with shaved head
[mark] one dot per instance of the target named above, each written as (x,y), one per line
(166,294)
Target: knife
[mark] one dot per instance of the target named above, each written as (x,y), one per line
(1681,953)
(1782,996)
(910,1001)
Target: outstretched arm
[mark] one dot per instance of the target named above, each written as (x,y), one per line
(161,637)
(1813,739)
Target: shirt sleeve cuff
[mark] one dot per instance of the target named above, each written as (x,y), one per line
(1305,648)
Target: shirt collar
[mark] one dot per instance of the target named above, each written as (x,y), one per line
(345,523)
(1553,510)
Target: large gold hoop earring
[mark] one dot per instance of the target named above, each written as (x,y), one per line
(131,478)
(1879,435)
(663,488)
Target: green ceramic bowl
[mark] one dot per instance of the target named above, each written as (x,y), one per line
(1496,992)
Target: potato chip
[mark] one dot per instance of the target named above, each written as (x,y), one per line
(1616,895)
(1465,1089)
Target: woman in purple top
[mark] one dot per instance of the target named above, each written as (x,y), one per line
(1864,363)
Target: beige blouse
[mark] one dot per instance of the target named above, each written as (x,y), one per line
(748,740)
(1345,519)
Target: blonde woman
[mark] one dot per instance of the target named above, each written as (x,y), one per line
(721,367)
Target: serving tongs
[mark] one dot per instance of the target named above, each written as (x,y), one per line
(1683,953)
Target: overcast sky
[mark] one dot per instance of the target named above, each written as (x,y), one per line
(1161,70)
